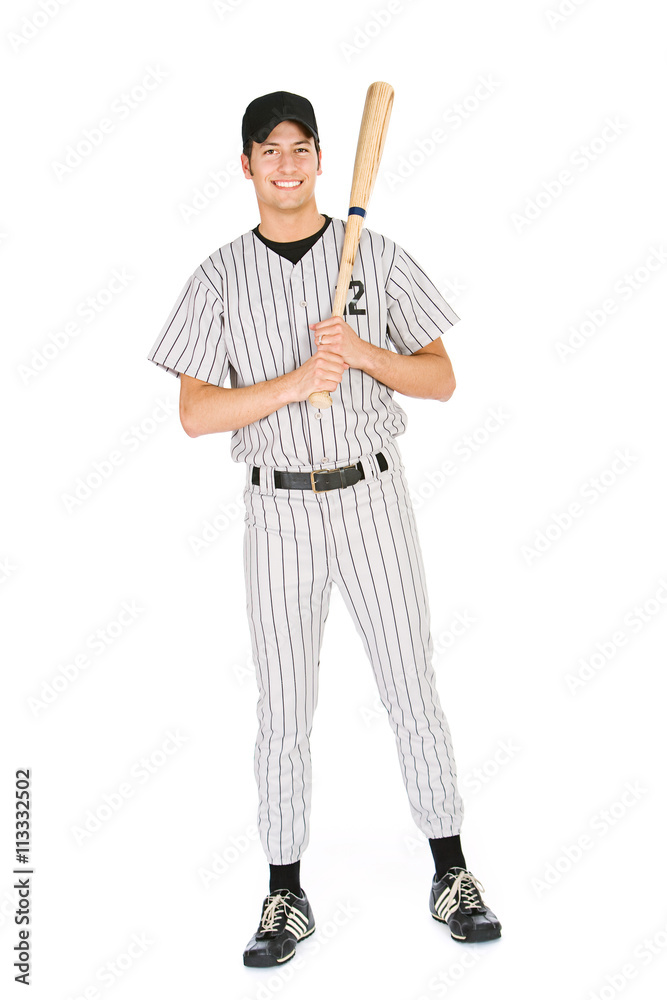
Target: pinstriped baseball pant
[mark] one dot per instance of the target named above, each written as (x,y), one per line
(363,538)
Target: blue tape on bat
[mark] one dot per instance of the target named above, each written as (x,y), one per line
(358,211)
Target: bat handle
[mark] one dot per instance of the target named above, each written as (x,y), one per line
(322,399)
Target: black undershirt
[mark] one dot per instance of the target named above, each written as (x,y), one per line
(295,250)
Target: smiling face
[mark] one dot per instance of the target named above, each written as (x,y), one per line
(284,168)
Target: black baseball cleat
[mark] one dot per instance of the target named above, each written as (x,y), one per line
(456,901)
(286,919)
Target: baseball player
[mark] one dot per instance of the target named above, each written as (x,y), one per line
(325,495)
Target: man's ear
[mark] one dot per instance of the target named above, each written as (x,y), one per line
(245,166)
(319,165)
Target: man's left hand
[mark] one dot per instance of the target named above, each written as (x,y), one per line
(337,336)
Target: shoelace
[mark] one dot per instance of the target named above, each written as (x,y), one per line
(274,909)
(466,889)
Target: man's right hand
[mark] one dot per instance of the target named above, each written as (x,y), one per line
(323,370)
(207,409)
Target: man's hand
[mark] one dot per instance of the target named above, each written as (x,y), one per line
(426,374)
(323,370)
(338,337)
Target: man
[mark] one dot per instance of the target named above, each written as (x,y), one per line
(326,496)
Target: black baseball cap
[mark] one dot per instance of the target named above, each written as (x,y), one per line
(264,113)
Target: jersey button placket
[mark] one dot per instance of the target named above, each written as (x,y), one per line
(303,303)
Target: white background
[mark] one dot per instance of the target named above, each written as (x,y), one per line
(539,761)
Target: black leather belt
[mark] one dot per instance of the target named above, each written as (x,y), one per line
(323,479)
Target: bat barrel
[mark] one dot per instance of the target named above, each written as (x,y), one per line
(372,135)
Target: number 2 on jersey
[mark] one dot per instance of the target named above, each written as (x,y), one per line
(352,309)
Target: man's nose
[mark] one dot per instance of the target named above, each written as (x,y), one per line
(289,162)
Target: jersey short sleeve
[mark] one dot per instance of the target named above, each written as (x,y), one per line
(191,341)
(416,311)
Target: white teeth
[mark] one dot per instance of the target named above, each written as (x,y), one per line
(287,183)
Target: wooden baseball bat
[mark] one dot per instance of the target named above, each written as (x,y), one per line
(372,134)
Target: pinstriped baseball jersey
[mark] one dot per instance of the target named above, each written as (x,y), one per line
(243,317)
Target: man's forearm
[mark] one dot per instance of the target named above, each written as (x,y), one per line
(211,408)
(216,408)
(424,376)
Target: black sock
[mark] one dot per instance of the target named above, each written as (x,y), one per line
(447,853)
(285,877)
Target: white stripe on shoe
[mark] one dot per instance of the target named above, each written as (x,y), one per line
(445,905)
(296,922)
